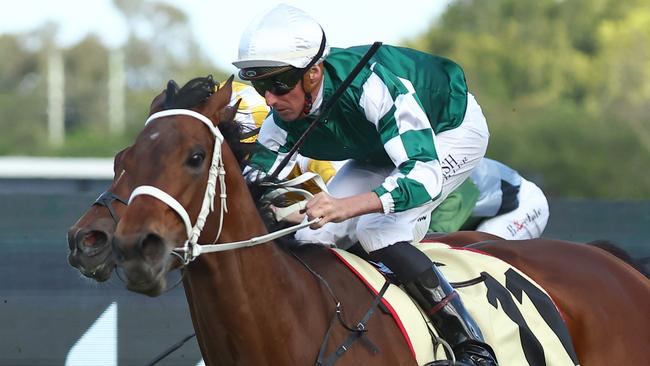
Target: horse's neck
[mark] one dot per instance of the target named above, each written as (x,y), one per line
(242,222)
(241,293)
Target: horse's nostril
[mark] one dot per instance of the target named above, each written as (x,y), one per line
(153,247)
(94,238)
(91,242)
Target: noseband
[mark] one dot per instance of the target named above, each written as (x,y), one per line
(106,200)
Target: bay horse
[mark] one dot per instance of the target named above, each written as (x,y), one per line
(90,236)
(261,305)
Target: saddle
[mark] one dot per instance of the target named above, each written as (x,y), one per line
(517,317)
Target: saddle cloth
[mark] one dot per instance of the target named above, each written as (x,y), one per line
(517,317)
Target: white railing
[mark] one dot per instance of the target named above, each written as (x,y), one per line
(23,167)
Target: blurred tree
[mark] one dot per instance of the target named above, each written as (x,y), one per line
(16,63)
(623,71)
(22,85)
(161,45)
(564,84)
(86,68)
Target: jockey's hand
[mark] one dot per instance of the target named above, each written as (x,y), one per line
(327,208)
(330,209)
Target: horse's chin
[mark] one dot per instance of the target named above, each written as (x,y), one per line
(146,280)
(153,289)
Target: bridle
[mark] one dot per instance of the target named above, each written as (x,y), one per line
(216,175)
(107,198)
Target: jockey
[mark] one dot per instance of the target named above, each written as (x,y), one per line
(412,133)
(496,200)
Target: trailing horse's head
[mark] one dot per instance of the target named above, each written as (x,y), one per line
(169,166)
(90,237)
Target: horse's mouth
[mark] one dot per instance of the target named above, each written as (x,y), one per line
(100,273)
(98,267)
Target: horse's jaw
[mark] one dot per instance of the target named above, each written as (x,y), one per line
(154,289)
(144,279)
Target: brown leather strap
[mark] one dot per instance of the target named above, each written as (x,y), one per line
(443,303)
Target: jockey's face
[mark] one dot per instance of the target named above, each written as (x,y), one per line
(290,106)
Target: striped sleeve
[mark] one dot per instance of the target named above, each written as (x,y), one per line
(273,145)
(391,104)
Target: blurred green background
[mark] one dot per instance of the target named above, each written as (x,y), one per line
(565,86)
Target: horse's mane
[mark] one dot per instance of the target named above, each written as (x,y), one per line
(196,92)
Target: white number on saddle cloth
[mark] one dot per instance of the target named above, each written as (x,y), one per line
(517,317)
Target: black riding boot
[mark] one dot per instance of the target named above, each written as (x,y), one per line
(424,282)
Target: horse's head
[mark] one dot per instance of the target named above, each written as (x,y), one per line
(169,166)
(90,237)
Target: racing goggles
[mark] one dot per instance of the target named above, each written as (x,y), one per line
(278,82)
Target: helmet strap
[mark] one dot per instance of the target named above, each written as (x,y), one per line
(308,103)
(307,87)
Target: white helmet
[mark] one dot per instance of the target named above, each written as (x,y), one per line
(284,36)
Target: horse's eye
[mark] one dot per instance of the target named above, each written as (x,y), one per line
(196,159)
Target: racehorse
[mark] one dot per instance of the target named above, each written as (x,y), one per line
(264,305)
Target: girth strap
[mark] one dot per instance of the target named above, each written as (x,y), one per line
(354,334)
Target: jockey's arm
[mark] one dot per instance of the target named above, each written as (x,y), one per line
(408,140)
(331,209)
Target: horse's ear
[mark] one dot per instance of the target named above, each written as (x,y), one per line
(228,114)
(170,92)
(118,165)
(220,99)
(157,104)
(162,100)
